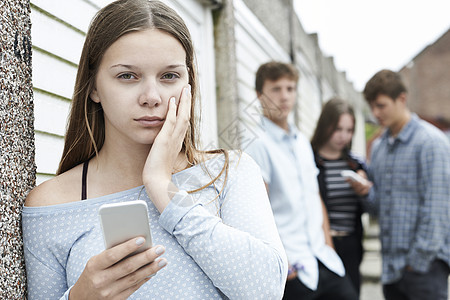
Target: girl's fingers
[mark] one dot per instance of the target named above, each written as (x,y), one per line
(122,274)
(115,254)
(177,114)
(184,112)
(171,118)
(139,276)
(147,271)
(129,291)
(137,261)
(362,173)
(184,109)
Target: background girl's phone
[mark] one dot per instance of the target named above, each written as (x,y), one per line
(123,221)
(348,174)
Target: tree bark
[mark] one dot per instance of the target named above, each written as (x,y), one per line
(17,163)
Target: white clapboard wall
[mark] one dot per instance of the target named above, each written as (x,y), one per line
(58,31)
(309,102)
(254,46)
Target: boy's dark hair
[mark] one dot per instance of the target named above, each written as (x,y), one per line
(273,71)
(384,82)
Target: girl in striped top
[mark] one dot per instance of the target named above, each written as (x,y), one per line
(331,143)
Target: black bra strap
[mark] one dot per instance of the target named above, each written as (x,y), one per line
(84,181)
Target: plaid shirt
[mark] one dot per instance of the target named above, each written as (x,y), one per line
(411,195)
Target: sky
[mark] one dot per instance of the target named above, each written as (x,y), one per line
(365,36)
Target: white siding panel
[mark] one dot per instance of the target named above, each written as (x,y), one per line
(189,10)
(249,22)
(198,19)
(309,100)
(58,109)
(327,91)
(100,3)
(48,152)
(307,121)
(359,137)
(207,79)
(254,46)
(309,105)
(249,51)
(247,78)
(249,105)
(77,13)
(53,75)
(55,37)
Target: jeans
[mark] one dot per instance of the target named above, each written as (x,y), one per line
(421,286)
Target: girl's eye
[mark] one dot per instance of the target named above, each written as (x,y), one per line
(170,76)
(276,89)
(127,76)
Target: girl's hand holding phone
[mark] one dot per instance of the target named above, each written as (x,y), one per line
(362,187)
(157,173)
(113,275)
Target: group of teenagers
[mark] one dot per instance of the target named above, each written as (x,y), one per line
(274,221)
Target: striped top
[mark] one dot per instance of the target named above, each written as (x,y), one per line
(343,205)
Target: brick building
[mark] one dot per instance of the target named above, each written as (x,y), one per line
(427,77)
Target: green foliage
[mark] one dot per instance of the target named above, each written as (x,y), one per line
(371,130)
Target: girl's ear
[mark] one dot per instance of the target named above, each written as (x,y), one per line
(94,96)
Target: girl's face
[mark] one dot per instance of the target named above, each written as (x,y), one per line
(137,76)
(343,133)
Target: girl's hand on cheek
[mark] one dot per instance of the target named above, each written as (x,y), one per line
(157,173)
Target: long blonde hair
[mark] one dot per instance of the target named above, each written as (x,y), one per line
(86,127)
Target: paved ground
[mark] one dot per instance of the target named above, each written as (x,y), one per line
(371,291)
(371,265)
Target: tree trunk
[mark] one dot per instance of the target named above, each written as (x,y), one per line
(17,164)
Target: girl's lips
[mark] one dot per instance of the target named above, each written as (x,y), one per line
(150,121)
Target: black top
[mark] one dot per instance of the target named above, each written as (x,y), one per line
(343,205)
(84,181)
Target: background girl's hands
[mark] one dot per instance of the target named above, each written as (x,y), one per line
(361,188)
(113,275)
(157,173)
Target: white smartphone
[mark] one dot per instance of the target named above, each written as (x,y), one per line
(349,174)
(123,221)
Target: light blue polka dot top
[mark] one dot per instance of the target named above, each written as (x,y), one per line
(224,248)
